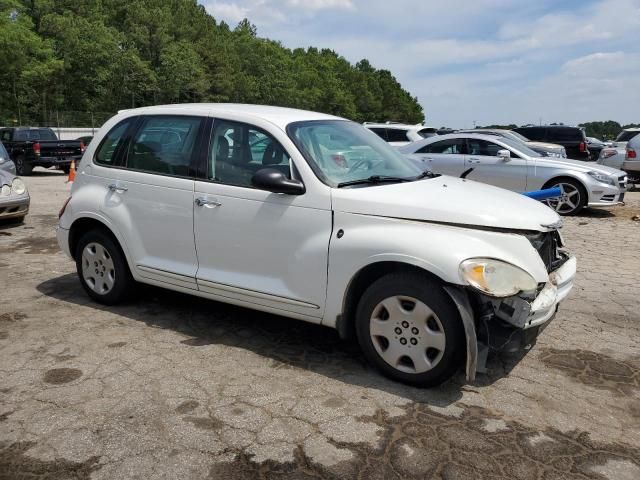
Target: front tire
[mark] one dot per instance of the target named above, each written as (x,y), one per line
(573,199)
(410,330)
(102,268)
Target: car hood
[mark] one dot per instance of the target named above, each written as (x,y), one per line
(576,165)
(447,200)
(548,146)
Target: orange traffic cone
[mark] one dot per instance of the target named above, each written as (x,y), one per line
(72,172)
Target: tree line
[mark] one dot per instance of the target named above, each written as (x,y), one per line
(107,55)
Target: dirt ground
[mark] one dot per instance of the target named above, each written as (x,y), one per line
(171,386)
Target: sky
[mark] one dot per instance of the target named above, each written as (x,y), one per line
(476,61)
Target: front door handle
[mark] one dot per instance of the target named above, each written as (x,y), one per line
(205,202)
(114,187)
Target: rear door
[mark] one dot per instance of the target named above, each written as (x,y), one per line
(445,156)
(489,168)
(148,194)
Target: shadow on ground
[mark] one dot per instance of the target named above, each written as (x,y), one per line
(287,342)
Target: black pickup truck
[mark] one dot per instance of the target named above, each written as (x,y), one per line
(31,147)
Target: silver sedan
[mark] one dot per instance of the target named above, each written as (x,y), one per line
(5,162)
(512,165)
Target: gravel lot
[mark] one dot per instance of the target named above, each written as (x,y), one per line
(171,386)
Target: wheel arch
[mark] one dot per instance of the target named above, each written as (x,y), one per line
(82,225)
(565,176)
(361,280)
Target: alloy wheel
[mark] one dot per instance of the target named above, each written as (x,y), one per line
(407,334)
(569,199)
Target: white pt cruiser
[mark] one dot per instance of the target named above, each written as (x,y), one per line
(314,217)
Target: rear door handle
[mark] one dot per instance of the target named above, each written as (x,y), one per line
(114,187)
(205,202)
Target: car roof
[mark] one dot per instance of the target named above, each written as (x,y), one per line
(397,126)
(633,129)
(280,116)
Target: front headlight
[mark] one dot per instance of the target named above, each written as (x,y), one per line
(496,278)
(18,187)
(5,191)
(602,177)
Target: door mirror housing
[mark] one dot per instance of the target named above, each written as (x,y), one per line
(275,181)
(504,155)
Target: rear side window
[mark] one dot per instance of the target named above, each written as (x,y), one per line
(566,135)
(106,153)
(396,135)
(451,146)
(164,144)
(5,136)
(626,135)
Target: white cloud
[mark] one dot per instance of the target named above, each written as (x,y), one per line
(230,12)
(493,61)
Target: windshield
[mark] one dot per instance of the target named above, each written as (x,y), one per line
(513,134)
(340,151)
(520,147)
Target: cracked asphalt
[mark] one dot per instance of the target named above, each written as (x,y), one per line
(172,386)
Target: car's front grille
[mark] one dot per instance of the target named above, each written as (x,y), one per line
(547,244)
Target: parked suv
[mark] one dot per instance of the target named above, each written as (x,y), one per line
(573,139)
(253,206)
(398,134)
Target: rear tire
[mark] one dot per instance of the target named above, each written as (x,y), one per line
(66,169)
(22,166)
(410,330)
(102,268)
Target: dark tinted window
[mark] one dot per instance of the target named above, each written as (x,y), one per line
(5,136)
(532,133)
(396,135)
(35,135)
(454,145)
(626,135)
(381,132)
(164,144)
(427,132)
(238,151)
(483,147)
(105,155)
(565,135)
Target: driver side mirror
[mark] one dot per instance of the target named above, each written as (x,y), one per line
(275,181)
(504,155)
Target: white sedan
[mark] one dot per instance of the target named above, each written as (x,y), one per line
(514,166)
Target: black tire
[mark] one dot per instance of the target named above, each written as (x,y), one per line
(66,169)
(428,291)
(579,205)
(123,282)
(23,167)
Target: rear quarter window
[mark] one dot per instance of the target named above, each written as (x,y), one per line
(396,135)
(566,135)
(532,133)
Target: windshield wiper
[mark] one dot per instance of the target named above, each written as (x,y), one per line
(427,174)
(373,179)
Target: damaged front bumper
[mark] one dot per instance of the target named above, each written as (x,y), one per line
(512,323)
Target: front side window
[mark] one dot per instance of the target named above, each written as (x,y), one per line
(340,151)
(164,144)
(450,146)
(381,132)
(238,150)
(483,147)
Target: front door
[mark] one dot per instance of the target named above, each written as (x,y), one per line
(488,168)
(149,197)
(254,247)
